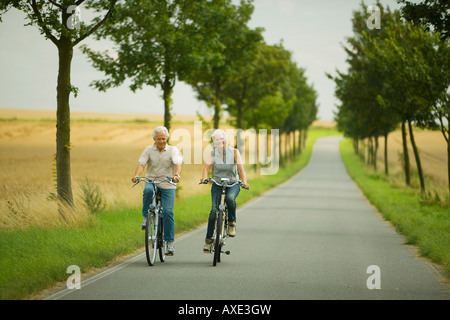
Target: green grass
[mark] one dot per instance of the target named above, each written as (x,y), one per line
(35,259)
(425,226)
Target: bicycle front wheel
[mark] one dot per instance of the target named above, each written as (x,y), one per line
(161,242)
(151,239)
(217,240)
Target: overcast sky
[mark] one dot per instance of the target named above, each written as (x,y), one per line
(313,30)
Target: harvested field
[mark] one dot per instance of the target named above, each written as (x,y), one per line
(433,154)
(106,149)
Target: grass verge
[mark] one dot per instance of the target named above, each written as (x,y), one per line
(34,259)
(425,226)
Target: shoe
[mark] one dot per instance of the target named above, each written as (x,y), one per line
(207,247)
(170,249)
(231,229)
(144,223)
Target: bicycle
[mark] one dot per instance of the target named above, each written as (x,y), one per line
(221,221)
(154,228)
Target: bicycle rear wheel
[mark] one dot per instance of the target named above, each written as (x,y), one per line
(217,240)
(151,239)
(161,242)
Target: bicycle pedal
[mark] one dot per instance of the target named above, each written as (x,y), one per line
(226,252)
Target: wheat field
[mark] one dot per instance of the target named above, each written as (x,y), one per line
(433,155)
(105,150)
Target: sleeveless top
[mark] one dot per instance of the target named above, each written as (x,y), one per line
(224,167)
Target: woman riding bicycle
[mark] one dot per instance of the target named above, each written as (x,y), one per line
(227,163)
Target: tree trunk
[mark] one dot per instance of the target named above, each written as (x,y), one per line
(405,156)
(287,151)
(448,165)
(446,133)
(288,146)
(239,115)
(375,153)
(63,145)
(356,145)
(217,105)
(291,148)
(362,152)
(167,96)
(305,136)
(417,156)
(294,145)
(369,151)
(300,140)
(239,141)
(386,169)
(293,151)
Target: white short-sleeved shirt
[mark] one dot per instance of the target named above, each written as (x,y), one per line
(161,164)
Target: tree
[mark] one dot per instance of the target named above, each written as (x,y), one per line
(260,75)
(56,22)
(440,75)
(265,89)
(432,14)
(362,115)
(433,69)
(404,59)
(238,43)
(304,109)
(157,43)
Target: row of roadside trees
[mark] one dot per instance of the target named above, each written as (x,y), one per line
(398,75)
(207,44)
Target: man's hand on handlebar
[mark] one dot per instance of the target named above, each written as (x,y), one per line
(136,180)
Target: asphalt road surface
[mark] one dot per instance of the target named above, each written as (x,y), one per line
(314,237)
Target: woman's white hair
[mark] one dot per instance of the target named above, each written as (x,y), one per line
(160,129)
(221,132)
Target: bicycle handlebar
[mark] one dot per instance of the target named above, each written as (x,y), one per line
(168,179)
(224,183)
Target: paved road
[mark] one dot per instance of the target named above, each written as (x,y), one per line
(314,237)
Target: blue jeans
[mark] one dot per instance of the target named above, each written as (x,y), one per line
(230,200)
(167,201)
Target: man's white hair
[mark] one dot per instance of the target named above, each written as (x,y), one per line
(160,129)
(217,132)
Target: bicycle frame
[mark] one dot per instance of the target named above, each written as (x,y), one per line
(223,210)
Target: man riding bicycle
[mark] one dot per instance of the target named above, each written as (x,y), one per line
(227,163)
(162,160)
